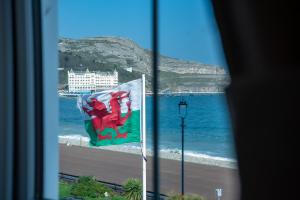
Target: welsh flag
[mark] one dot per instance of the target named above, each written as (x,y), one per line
(113,116)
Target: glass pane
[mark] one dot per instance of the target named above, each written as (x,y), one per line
(193,69)
(103,45)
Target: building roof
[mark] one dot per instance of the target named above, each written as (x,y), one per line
(96,72)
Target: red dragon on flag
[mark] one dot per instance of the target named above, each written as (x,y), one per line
(102,118)
(113,116)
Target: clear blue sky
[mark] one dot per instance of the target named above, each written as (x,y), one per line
(188,30)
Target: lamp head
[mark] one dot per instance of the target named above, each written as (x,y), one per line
(182,108)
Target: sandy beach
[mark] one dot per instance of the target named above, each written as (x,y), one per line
(116,167)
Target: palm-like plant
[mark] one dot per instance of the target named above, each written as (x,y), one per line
(133,189)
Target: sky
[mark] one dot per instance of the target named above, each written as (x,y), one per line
(187,28)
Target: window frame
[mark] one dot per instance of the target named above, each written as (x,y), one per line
(28,84)
(31,159)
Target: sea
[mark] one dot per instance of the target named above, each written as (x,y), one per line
(208,133)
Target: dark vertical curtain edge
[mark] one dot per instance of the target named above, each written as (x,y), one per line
(38,75)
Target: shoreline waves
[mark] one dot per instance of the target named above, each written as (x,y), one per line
(172,154)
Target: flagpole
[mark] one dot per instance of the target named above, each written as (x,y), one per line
(144,138)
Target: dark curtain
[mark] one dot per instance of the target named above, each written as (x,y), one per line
(261,44)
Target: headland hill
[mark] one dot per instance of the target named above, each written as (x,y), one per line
(107,54)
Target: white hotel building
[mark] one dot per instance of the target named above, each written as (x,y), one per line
(91,81)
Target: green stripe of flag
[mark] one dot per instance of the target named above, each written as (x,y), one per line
(132,126)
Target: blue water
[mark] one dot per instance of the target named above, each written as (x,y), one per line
(207,131)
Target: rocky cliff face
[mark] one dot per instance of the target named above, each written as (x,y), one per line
(109,53)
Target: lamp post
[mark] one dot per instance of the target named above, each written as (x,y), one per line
(182,109)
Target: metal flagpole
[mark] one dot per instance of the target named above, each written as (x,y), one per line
(144,137)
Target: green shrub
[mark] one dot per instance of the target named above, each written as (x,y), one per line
(118,198)
(193,197)
(64,189)
(133,189)
(174,196)
(88,188)
(185,197)
(96,198)
(106,198)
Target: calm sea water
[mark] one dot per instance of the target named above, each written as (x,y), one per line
(207,131)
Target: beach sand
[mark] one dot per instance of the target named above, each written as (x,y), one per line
(117,167)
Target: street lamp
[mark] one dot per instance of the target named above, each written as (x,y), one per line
(182,109)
